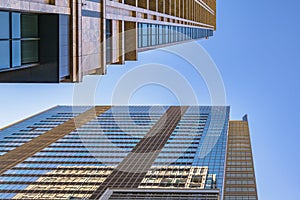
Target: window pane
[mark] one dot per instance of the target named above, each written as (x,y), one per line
(16,53)
(4,54)
(29,51)
(29,26)
(4,21)
(16,32)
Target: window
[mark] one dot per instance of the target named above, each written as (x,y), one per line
(4,40)
(19,39)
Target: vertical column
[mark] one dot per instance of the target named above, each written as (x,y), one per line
(75,71)
(117,42)
(130,37)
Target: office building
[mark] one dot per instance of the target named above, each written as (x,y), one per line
(63,40)
(128,152)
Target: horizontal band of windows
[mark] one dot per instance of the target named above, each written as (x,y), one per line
(114,137)
(69,162)
(242,175)
(37,191)
(239,169)
(83,156)
(9,142)
(73,168)
(182,185)
(84,151)
(25,137)
(239,158)
(107,141)
(53,183)
(130,131)
(90,146)
(95,149)
(37,165)
(126,134)
(239,197)
(240,189)
(240,182)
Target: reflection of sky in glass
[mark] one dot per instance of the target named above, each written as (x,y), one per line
(107,140)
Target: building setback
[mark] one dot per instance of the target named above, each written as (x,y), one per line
(63,40)
(128,152)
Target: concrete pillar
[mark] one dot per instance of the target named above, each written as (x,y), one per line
(130,40)
(118,42)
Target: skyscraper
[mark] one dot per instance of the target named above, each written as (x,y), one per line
(63,40)
(128,152)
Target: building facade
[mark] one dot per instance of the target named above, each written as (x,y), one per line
(127,152)
(63,40)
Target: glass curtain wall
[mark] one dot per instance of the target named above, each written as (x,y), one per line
(156,34)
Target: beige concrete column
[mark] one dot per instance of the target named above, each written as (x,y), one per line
(75,30)
(63,3)
(118,42)
(130,40)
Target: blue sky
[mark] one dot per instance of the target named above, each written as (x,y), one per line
(257,51)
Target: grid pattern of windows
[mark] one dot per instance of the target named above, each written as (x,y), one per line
(155,34)
(76,164)
(240,179)
(19,39)
(25,131)
(138,147)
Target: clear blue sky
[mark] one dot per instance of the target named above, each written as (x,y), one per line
(257,50)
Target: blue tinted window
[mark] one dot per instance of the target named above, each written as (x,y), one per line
(4,54)
(16,26)
(16,53)
(4,21)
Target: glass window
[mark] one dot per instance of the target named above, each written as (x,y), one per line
(16,26)
(29,26)
(4,54)
(16,53)
(4,21)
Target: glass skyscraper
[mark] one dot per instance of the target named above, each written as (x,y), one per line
(126,152)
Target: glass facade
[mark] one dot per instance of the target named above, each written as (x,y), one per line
(19,39)
(160,147)
(155,34)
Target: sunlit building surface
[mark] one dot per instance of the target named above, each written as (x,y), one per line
(63,40)
(120,152)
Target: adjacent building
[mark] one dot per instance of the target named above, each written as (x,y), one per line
(128,152)
(63,40)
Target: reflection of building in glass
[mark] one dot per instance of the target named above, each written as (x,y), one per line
(74,178)
(63,40)
(120,152)
(175,177)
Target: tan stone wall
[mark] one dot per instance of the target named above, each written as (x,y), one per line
(42,6)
